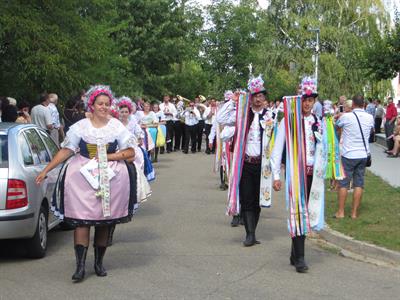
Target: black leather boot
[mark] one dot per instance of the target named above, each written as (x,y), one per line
(300,264)
(292,255)
(235,221)
(98,261)
(250,226)
(80,254)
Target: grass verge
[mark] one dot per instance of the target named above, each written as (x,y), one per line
(379,215)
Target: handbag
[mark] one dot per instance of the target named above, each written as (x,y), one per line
(369,158)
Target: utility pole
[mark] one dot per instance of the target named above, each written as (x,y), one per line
(316,30)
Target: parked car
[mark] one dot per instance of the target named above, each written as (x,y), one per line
(25,150)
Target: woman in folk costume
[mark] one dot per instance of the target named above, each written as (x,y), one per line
(161,130)
(149,123)
(300,131)
(125,106)
(249,175)
(89,190)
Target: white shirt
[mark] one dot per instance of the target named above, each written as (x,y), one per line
(54,115)
(41,116)
(353,146)
(226,114)
(148,119)
(192,116)
(169,110)
(209,115)
(253,143)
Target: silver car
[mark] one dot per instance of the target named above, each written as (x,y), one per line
(25,150)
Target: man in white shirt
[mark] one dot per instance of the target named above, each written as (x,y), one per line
(192,117)
(170,113)
(56,131)
(41,115)
(250,179)
(355,150)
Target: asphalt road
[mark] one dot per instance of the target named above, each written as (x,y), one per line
(180,246)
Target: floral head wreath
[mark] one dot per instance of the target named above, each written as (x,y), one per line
(125,101)
(256,85)
(228,95)
(309,87)
(96,91)
(114,112)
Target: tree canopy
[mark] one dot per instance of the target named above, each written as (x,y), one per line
(155,47)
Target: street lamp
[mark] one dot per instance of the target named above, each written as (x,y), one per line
(316,30)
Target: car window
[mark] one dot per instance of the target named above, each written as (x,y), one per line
(37,146)
(51,145)
(3,151)
(25,151)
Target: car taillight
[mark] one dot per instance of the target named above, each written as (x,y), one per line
(17,195)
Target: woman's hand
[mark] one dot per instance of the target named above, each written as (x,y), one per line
(277,185)
(42,176)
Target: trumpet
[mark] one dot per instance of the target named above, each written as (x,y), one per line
(180,98)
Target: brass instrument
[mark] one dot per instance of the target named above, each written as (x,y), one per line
(180,98)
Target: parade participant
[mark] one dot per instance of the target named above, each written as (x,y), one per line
(249,181)
(125,107)
(161,130)
(170,113)
(192,117)
(149,123)
(200,126)
(298,130)
(85,199)
(209,117)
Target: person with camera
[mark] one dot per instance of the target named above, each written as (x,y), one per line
(192,117)
(356,127)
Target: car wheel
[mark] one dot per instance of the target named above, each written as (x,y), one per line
(37,245)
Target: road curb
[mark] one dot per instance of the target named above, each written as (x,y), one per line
(360,249)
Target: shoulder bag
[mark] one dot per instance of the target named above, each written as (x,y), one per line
(369,159)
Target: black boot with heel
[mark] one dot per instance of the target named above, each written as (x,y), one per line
(80,254)
(98,261)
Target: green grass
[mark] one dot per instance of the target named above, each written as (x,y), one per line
(379,215)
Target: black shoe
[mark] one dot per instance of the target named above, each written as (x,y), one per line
(184,151)
(208,151)
(193,151)
(80,255)
(98,261)
(235,221)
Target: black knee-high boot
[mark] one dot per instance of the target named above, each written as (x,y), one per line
(80,254)
(292,255)
(250,226)
(299,262)
(98,261)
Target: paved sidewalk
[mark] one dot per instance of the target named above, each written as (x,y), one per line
(386,168)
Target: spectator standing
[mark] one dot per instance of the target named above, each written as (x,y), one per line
(391,114)
(56,132)
(41,115)
(371,108)
(396,138)
(317,109)
(23,113)
(354,153)
(379,113)
(9,112)
(340,106)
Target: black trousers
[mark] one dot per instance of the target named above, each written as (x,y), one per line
(190,135)
(207,130)
(389,128)
(178,128)
(249,188)
(378,124)
(170,135)
(200,129)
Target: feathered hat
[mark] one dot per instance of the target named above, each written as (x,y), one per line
(228,95)
(94,92)
(309,87)
(256,85)
(125,101)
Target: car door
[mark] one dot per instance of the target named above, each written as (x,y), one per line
(52,176)
(41,158)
